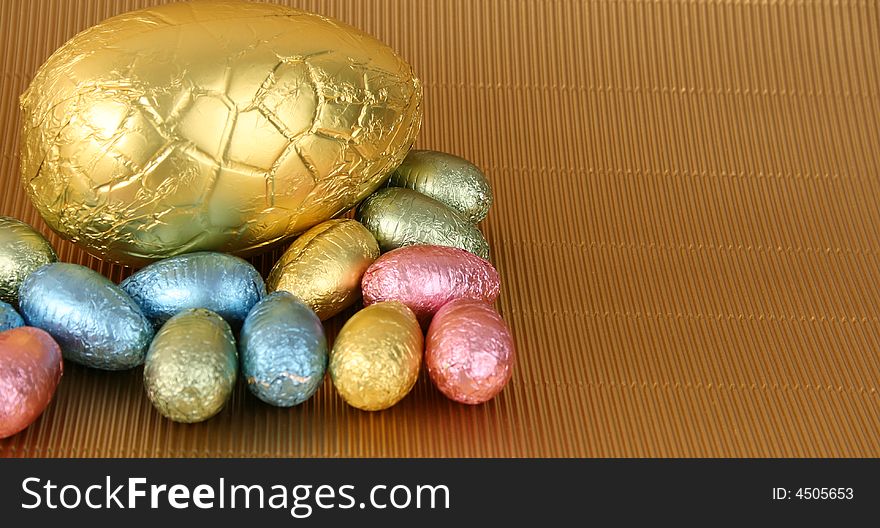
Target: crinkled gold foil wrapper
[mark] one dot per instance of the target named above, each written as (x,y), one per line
(223,126)
(324,266)
(377,355)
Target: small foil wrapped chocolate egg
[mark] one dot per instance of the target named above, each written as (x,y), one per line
(22,250)
(215,125)
(30,368)
(427,277)
(283,350)
(454,181)
(376,356)
(400,217)
(324,266)
(9,318)
(191,366)
(93,320)
(222,283)
(469,351)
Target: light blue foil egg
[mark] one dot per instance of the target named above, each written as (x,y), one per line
(224,284)
(283,350)
(93,320)
(9,318)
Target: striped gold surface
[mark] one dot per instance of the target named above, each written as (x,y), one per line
(686,225)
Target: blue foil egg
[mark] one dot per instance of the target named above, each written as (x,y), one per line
(224,284)
(283,350)
(93,320)
(9,318)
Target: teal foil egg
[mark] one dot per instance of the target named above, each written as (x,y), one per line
(93,320)
(283,350)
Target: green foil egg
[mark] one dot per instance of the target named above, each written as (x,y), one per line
(400,217)
(454,181)
(22,250)
(191,366)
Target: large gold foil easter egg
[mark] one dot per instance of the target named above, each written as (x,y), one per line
(224,126)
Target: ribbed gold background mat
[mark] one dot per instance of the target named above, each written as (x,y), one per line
(687,227)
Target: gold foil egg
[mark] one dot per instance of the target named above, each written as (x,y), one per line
(191,366)
(455,181)
(22,250)
(224,126)
(400,217)
(324,266)
(376,357)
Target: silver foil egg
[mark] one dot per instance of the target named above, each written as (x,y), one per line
(283,350)
(222,283)
(9,318)
(93,320)
(191,366)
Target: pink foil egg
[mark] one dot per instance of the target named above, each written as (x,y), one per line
(469,351)
(30,368)
(427,277)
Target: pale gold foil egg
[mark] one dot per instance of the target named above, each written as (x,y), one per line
(324,266)
(224,126)
(377,355)
(191,367)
